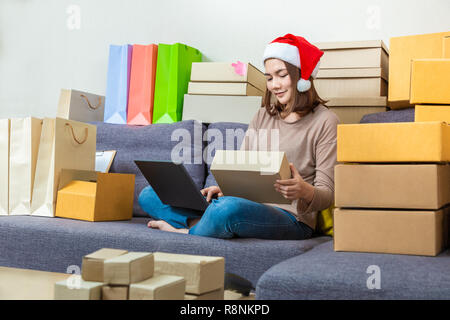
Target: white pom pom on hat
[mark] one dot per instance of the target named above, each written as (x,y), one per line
(298,52)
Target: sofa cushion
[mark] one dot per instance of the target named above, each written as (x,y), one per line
(322,273)
(401,115)
(54,244)
(221,136)
(153,142)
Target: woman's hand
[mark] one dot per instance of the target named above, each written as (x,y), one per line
(210,192)
(295,188)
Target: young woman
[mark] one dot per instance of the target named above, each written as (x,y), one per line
(307,134)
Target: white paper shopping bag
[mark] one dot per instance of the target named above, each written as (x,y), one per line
(80,106)
(25,135)
(4,166)
(65,144)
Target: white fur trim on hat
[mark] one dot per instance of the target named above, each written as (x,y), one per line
(303,85)
(282,51)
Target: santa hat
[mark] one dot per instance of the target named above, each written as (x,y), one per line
(298,52)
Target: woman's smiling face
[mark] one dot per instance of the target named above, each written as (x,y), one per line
(279,81)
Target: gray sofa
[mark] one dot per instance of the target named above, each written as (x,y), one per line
(307,269)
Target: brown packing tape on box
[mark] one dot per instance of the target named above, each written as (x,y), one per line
(202,273)
(159,287)
(402,186)
(389,231)
(128,268)
(95,196)
(92,264)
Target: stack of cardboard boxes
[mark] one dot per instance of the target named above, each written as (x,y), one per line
(230,92)
(393,194)
(353,78)
(113,274)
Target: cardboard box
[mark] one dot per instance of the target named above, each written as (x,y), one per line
(349,115)
(228,72)
(251,174)
(430,81)
(354,54)
(402,186)
(75,288)
(351,87)
(446,47)
(210,109)
(432,113)
(202,273)
(356,102)
(394,142)
(161,287)
(213,295)
(386,231)
(129,268)
(92,264)
(95,196)
(402,51)
(224,89)
(115,293)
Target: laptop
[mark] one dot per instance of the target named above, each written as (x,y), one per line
(173,184)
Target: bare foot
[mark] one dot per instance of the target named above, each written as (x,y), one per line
(164,226)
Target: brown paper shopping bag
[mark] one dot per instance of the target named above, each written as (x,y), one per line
(65,144)
(80,106)
(24,143)
(4,166)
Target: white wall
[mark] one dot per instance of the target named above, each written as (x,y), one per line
(42,49)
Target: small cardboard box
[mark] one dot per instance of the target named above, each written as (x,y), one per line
(210,109)
(224,89)
(115,293)
(159,287)
(402,186)
(251,174)
(430,81)
(202,273)
(386,231)
(95,196)
(228,72)
(349,115)
(75,288)
(357,101)
(402,51)
(432,113)
(394,142)
(92,264)
(354,54)
(128,268)
(213,295)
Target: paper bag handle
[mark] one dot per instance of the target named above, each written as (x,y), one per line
(89,103)
(75,138)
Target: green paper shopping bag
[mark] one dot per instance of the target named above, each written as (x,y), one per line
(173,71)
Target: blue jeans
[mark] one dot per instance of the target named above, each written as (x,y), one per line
(228,217)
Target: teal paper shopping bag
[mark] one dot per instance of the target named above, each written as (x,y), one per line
(118,84)
(173,71)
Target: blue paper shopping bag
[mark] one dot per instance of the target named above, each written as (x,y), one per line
(118,83)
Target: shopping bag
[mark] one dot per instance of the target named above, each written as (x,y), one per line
(80,106)
(142,84)
(118,84)
(173,72)
(65,144)
(25,135)
(4,166)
